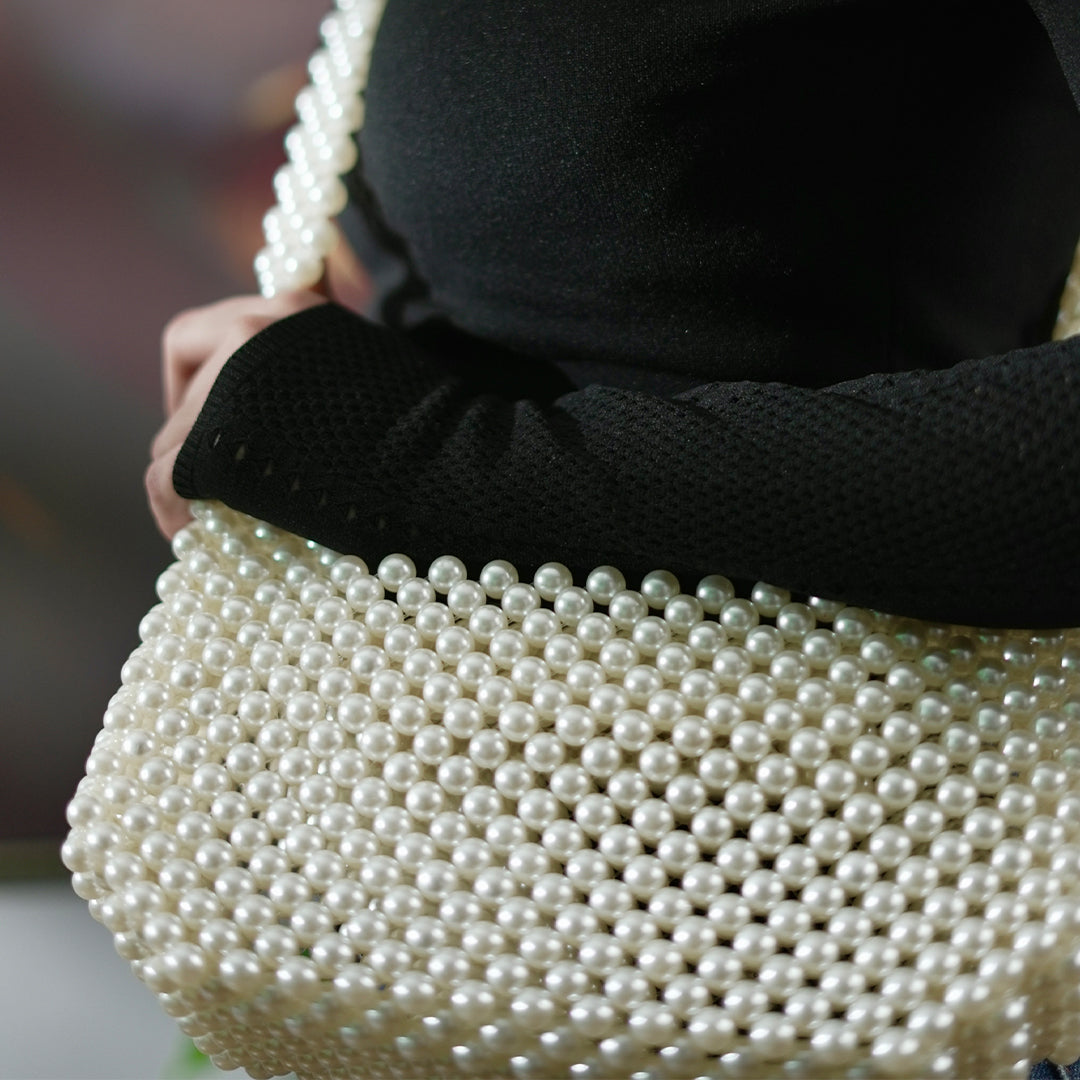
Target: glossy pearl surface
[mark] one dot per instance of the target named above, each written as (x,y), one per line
(445,856)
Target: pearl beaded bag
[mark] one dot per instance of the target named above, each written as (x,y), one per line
(360,823)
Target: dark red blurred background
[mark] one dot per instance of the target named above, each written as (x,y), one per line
(137,143)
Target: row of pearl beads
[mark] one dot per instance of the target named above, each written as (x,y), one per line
(771,762)
(413,860)
(1043,842)
(629,1054)
(1030,888)
(459,916)
(868,1014)
(616,1052)
(761,748)
(750,770)
(619,1053)
(851,625)
(1042,839)
(390,831)
(800,814)
(769,837)
(851,629)
(694,724)
(408,886)
(673,697)
(760,645)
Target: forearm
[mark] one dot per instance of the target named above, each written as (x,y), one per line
(951,494)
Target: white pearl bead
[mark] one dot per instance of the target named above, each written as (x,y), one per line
(712,1030)
(829,839)
(835,781)
(796,865)
(626,607)
(711,827)
(823,896)
(749,741)
(745,1001)
(770,833)
(744,801)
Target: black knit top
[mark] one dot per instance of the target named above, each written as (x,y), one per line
(759,287)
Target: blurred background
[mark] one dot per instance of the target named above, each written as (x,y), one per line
(138,141)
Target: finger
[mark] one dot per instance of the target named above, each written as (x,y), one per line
(194,336)
(197,330)
(171,513)
(176,377)
(348,282)
(189,338)
(176,428)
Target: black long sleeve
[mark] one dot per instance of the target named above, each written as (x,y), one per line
(948,494)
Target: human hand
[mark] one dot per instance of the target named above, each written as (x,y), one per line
(195,346)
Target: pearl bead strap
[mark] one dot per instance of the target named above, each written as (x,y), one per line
(320,149)
(356,823)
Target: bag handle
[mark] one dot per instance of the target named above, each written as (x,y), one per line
(299,230)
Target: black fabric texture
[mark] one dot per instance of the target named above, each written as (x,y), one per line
(929,494)
(1060,17)
(796,190)
(760,291)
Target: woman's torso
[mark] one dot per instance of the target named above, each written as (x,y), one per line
(796,191)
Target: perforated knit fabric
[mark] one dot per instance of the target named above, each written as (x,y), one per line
(947,495)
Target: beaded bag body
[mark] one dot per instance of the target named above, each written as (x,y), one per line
(354,822)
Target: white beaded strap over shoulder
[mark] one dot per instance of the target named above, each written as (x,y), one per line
(354,822)
(320,149)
